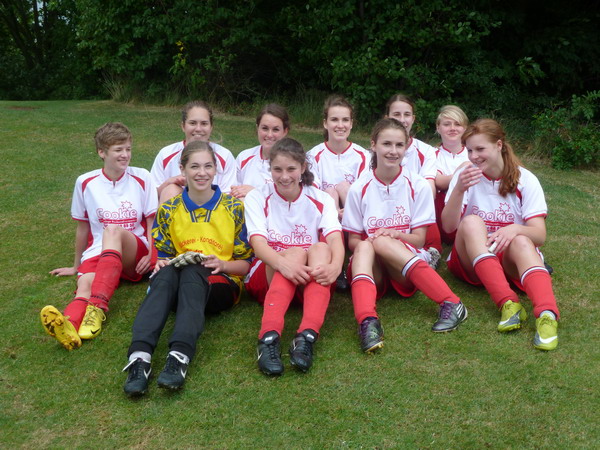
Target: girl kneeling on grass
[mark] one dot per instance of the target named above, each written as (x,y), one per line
(203,231)
(287,222)
(114,207)
(451,155)
(272,124)
(419,158)
(498,209)
(386,216)
(197,125)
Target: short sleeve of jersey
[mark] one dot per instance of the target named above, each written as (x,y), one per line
(429,168)
(78,209)
(227,176)
(329,218)
(241,247)
(533,200)
(452,185)
(352,218)
(254,211)
(424,210)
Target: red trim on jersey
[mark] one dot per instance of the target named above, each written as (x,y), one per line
(266,208)
(533,217)
(331,232)
(221,160)
(391,182)
(139,180)
(282,197)
(363,163)
(364,189)
(410,143)
(85,183)
(490,179)
(317,203)
(113,181)
(519,195)
(318,156)
(421,226)
(451,152)
(343,151)
(421,156)
(246,161)
(412,190)
(170,157)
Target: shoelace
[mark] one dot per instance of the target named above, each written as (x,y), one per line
(130,363)
(303,346)
(446,310)
(367,329)
(90,318)
(173,362)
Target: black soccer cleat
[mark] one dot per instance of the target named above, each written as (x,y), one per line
(173,375)
(137,378)
(371,334)
(268,352)
(301,349)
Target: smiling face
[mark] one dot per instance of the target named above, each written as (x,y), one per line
(270,130)
(403,113)
(287,173)
(116,157)
(485,154)
(450,131)
(197,126)
(199,171)
(338,123)
(389,150)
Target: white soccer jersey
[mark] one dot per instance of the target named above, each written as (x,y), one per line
(496,211)
(252,169)
(126,202)
(330,168)
(405,204)
(290,224)
(166,165)
(447,162)
(420,158)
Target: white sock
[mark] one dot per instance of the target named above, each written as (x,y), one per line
(180,356)
(147,357)
(547,312)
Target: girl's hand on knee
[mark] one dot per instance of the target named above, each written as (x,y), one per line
(64,272)
(296,273)
(500,240)
(326,274)
(144,264)
(159,265)
(212,262)
(394,234)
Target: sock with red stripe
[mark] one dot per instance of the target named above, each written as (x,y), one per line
(277,301)
(490,272)
(316,301)
(428,281)
(106,280)
(538,286)
(76,310)
(364,297)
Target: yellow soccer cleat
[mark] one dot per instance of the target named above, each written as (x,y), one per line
(513,314)
(59,327)
(546,334)
(91,325)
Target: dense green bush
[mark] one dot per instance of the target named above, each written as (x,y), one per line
(570,135)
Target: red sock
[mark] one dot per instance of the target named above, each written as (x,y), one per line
(364,297)
(433,238)
(538,286)
(76,310)
(277,301)
(316,301)
(429,282)
(106,280)
(490,272)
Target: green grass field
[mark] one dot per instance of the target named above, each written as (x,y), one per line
(472,388)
